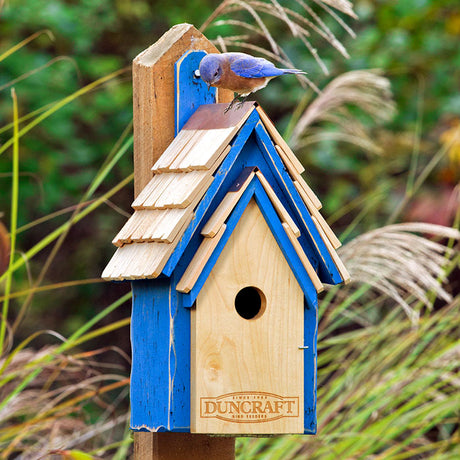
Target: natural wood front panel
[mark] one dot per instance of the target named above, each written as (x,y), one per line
(247,374)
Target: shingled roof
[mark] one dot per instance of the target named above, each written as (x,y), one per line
(166,211)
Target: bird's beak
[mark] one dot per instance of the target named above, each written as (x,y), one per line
(209,85)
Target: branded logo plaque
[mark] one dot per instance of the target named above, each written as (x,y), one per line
(249,407)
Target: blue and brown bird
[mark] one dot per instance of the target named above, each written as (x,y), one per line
(239,72)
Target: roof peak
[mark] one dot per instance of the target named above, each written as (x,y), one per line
(193,171)
(251,185)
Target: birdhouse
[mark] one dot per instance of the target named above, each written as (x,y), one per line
(226,251)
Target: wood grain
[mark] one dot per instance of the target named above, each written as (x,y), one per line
(280,209)
(180,446)
(182,142)
(298,178)
(203,154)
(202,140)
(335,257)
(278,139)
(220,215)
(184,188)
(137,261)
(195,267)
(327,231)
(147,198)
(309,192)
(214,116)
(148,225)
(232,354)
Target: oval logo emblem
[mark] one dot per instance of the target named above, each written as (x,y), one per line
(249,406)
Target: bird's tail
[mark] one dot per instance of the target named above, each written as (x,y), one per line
(292,71)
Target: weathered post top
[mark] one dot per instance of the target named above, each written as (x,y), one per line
(153,96)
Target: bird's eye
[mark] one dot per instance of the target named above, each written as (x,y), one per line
(216,73)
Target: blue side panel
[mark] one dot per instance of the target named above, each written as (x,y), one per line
(255,189)
(310,365)
(160,374)
(214,193)
(191,91)
(327,270)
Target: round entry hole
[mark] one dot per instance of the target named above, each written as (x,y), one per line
(250,302)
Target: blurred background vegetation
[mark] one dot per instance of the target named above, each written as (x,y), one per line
(401,166)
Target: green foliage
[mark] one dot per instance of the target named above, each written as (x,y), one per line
(416,43)
(387,381)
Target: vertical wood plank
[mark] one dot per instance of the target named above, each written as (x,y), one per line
(143,445)
(157,338)
(191,91)
(180,446)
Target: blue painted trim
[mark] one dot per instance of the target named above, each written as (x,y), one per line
(310,369)
(256,189)
(191,91)
(274,171)
(213,191)
(160,373)
(276,227)
(254,155)
(189,299)
(330,275)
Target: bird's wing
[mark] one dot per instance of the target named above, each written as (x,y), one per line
(248,66)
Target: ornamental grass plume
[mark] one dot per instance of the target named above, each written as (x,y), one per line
(401,264)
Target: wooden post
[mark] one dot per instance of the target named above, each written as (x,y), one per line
(154,93)
(154,129)
(181,446)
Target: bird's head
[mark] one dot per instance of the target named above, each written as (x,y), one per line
(210,69)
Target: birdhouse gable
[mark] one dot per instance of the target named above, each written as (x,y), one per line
(197,185)
(250,186)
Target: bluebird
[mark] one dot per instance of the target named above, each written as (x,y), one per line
(239,72)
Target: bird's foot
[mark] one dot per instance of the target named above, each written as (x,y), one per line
(235,100)
(240,104)
(229,106)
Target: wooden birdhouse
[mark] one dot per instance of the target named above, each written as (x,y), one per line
(226,251)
